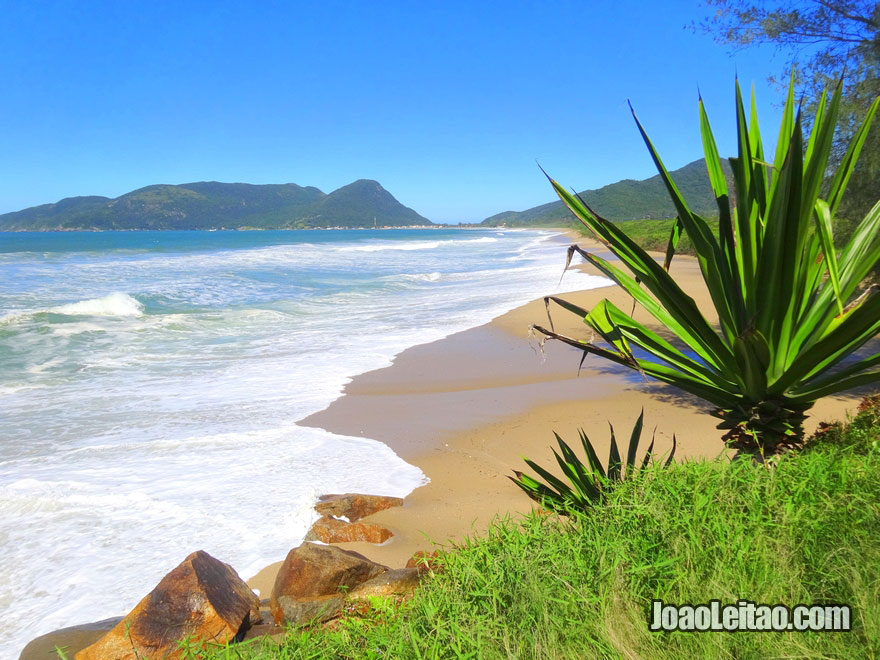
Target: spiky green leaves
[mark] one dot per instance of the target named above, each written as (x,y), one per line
(587,481)
(780,290)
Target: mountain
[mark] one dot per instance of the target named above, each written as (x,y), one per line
(213,205)
(625,200)
(364,199)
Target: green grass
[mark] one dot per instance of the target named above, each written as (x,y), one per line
(806,531)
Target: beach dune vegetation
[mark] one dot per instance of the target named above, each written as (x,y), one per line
(589,482)
(789,305)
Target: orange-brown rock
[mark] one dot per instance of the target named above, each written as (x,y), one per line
(202,599)
(424,561)
(313,580)
(328,529)
(396,582)
(354,506)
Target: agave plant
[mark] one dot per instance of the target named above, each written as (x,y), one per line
(589,481)
(784,298)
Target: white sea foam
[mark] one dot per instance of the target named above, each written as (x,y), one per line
(397,246)
(136,423)
(114,304)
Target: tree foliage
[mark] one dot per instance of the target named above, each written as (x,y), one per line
(826,40)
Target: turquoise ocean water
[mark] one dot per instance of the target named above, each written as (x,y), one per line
(150,385)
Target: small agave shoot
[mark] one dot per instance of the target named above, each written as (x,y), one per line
(788,305)
(589,481)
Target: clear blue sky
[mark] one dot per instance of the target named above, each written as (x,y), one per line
(447,104)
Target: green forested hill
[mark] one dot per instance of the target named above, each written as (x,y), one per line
(624,200)
(213,205)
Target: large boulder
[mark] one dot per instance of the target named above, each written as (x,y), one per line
(202,599)
(313,581)
(354,506)
(328,529)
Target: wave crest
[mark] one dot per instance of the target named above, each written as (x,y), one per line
(115,304)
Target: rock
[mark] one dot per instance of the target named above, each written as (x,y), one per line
(313,580)
(354,506)
(397,582)
(302,611)
(424,561)
(267,631)
(328,529)
(70,640)
(202,599)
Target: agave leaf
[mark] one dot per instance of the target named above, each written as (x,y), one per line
(583,485)
(650,451)
(582,474)
(861,324)
(845,170)
(560,486)
(653,343)
(590,452)
(676,310)
(634,442)
(671,453)
(760,168)
(600,320)
(786,128)
(613,458)
(818,151)
(780,256)
(672,244)
(752,356)
(715,269)
(695,385)
(588,347)
(588,482)
(536,490)
(824,380)
(823,225)
(571,307)
(835,385)
(722,199)
(861,252)
(643,266)
(855,261)
(747,231)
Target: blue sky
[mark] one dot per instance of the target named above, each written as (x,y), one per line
(447,104)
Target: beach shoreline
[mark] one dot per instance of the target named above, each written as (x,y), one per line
(466,408)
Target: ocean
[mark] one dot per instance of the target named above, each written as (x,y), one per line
(150,385)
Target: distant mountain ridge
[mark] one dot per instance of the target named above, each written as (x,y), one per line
(214,205)
(625,200)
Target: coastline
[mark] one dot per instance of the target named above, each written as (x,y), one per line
(466,408)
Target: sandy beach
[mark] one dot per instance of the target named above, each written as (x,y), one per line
(466,408)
